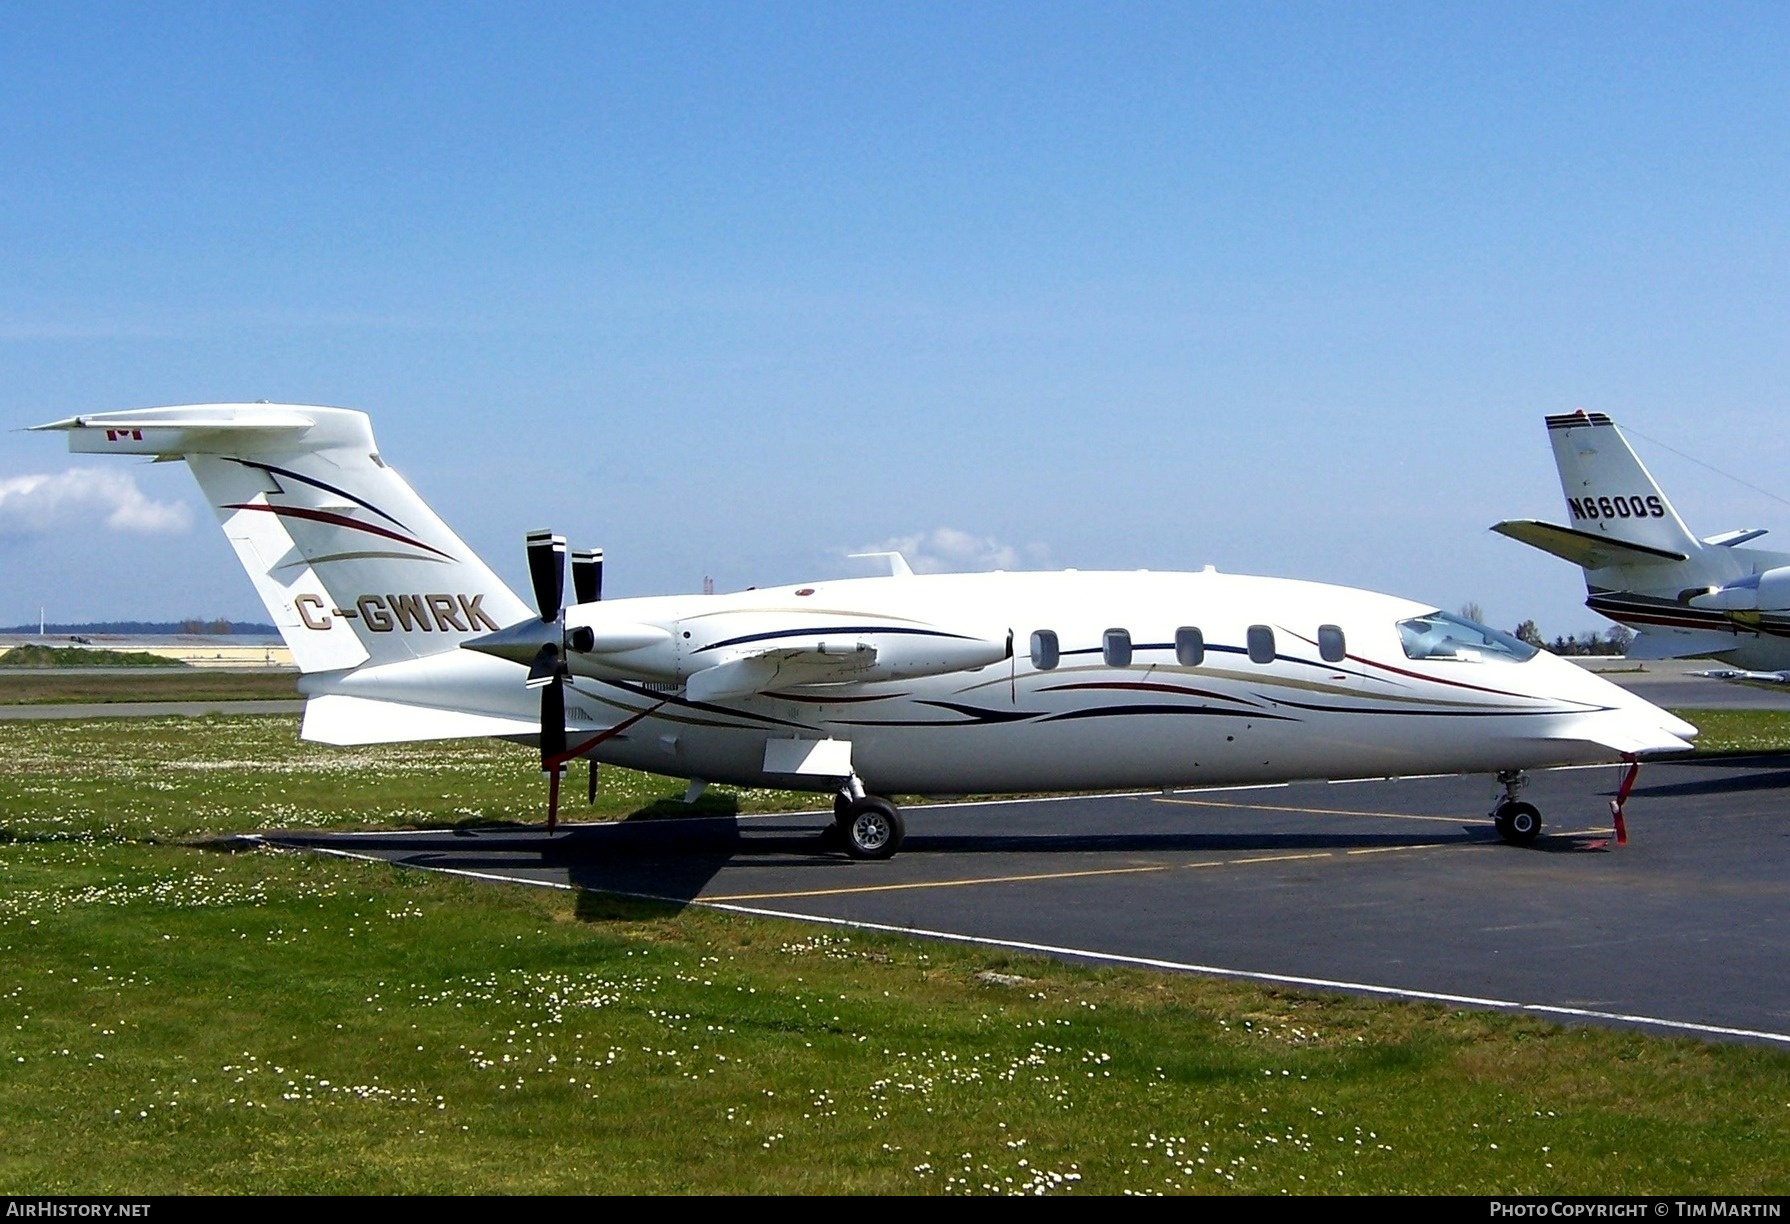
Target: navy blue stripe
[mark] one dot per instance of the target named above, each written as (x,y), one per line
(1113,711)
(1330,709)
(980,713)
(674,700)
(789,633)
(318,484)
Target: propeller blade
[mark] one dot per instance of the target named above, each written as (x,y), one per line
(553,725)
(544,670)
(547,571)
(587,575)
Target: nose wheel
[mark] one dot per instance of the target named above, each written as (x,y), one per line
(1517,823)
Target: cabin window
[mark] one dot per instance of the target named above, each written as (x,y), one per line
(1261,644)
(1044,649)
(1331,647)
(1116,648)
(1190,647)
(1442,636)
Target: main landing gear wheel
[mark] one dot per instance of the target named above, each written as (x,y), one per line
(873,828)
(1517,823)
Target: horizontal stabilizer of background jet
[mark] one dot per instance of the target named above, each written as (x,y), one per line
(1679,644)
(1582,548)
(1728,539)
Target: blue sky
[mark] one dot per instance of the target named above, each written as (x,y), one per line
(732,290)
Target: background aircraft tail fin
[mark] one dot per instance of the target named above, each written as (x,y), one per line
(1609,493)
(351,564)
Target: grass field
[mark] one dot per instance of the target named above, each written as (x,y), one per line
(35,655)
(1730,731)
(181,1019)
(180,683)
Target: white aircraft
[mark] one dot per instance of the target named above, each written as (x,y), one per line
(1686,598)
(905,684)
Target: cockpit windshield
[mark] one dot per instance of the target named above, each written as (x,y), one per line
(1437,635)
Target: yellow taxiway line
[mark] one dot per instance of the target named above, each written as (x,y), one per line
(1012,879)
(1057,875)
(1308,811)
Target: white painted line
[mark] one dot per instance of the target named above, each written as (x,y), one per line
(488,876)
(1146,962)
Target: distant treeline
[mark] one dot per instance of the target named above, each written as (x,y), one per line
(1612,641)
(138,628)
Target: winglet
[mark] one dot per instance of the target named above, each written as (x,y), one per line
(898,566)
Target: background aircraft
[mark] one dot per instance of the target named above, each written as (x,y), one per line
(1685,597)
(907,684)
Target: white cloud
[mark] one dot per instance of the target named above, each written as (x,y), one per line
(85,497)
(946,550)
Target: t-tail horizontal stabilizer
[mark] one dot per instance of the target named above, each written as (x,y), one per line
(1583,548)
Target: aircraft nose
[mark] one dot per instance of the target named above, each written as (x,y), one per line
(1631,722)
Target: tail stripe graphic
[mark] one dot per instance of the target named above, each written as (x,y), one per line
(336,520)
(371,554)
(362,502)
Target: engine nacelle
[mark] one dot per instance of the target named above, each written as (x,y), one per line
(1766,592)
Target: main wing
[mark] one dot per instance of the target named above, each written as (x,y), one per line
(842,661)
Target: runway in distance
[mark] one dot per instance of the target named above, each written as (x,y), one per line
(1686,598)
(905,684)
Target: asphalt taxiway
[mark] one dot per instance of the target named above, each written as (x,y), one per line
(1397,888)
(146,709)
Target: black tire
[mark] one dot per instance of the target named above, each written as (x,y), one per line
(841,805)
(873,828)
(1518,823)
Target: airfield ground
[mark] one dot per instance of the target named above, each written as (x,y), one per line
(177,1017)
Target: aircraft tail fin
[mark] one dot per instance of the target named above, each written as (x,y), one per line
(1609,492)
(353,567)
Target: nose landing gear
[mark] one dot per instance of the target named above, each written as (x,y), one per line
(1517,823)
